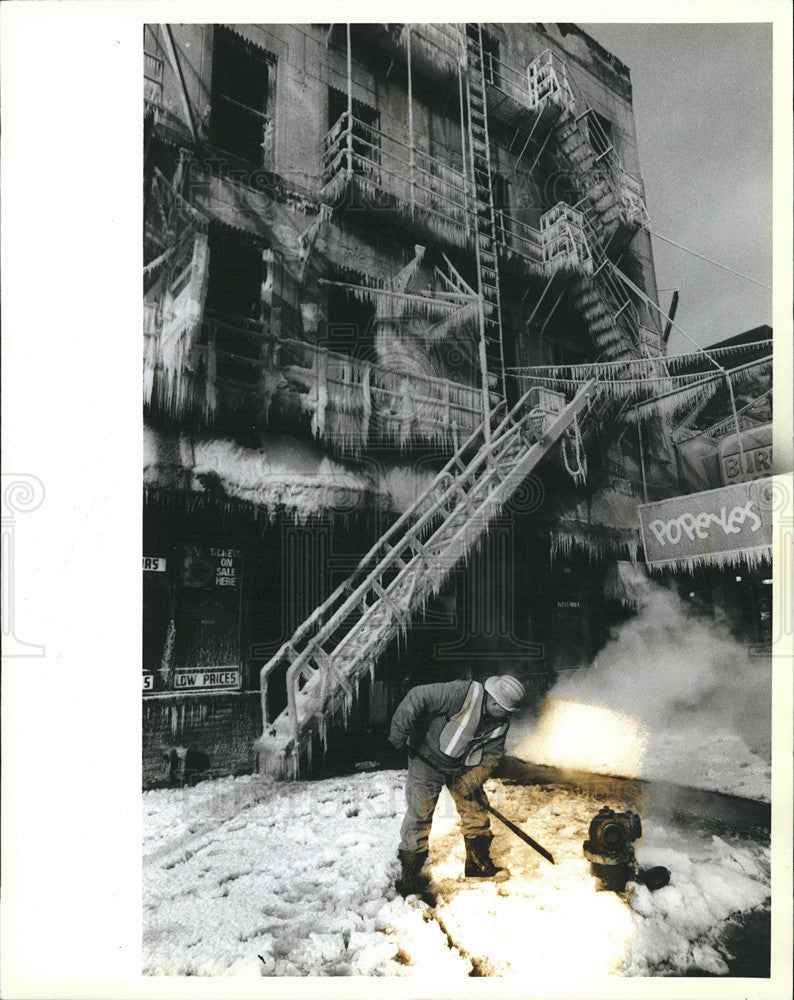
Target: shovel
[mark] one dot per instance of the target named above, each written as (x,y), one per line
(519,833)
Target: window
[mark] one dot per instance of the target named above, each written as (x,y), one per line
(152,67)
(243,86)
(235,287)
(236,273)
(490,66)
(500,187)
(351,322)
(600,131)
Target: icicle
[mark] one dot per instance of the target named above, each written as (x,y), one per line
(752,558)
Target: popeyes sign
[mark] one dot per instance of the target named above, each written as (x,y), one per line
(708,524)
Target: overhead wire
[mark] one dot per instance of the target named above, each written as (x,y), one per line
(709,260)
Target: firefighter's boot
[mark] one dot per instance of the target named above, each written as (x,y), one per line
(478,859)
(412,882)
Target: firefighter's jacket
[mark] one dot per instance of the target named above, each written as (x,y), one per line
(442,724)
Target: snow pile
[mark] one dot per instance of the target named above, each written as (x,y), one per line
(679,926)
(672,696)
(292,883)
(553,917)
(288,880)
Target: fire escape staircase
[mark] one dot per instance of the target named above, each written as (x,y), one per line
(323,662)
(485,245)
(608,219)
(610,314)
(597,172)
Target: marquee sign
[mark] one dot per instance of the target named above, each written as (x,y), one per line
(754,459)
(716,527)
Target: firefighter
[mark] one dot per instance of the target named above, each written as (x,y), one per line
(455,736)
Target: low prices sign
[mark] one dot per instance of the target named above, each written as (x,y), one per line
(229,678)
(702,527)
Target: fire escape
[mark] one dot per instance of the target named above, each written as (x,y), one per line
(321,665)
(341,641)
(202,363)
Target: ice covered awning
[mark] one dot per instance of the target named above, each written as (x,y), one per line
(283,474)
(603,525)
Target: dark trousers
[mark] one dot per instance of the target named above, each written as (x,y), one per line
(422,789)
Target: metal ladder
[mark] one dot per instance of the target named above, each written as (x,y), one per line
(485,228)
(325,659)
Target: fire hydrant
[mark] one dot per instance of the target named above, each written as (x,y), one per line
(610,851)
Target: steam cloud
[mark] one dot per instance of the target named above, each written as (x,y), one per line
(686,702)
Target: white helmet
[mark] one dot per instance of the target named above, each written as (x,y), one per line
(506,690)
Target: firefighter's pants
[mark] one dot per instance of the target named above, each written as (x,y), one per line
(422,788)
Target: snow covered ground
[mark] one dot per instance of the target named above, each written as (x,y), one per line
(245,878)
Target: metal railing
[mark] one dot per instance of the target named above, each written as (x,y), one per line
(624,310)
(633,197)
(560,244)
(420,549)
(347,383)
(563,239)
(153,79)
(387,167)
(544,81)
(515,237)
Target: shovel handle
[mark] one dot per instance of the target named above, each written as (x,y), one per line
(520,833)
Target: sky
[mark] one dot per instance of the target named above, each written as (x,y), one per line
(703,110)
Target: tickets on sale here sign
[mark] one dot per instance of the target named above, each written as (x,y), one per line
(210,567)
(709,524)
